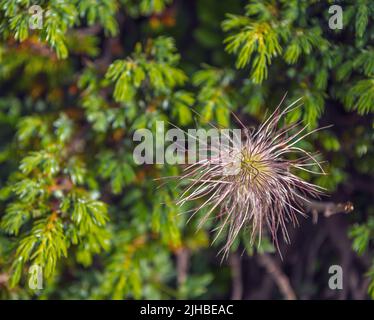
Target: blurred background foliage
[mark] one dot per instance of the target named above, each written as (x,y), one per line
(72,93)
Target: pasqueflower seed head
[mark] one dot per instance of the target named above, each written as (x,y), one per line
(263,190)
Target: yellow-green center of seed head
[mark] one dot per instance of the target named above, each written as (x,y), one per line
(253,166)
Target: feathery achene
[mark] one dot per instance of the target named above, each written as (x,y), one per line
(263,191)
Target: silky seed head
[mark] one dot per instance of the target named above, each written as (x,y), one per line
(262,191)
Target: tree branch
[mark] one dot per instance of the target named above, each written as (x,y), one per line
(327,208)
(4,277)
(183,257)
(278,276)
(236,275)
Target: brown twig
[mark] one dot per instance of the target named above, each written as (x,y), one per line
(236,275)
(183,257)
(4,277)
(278,276)
(327,208)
